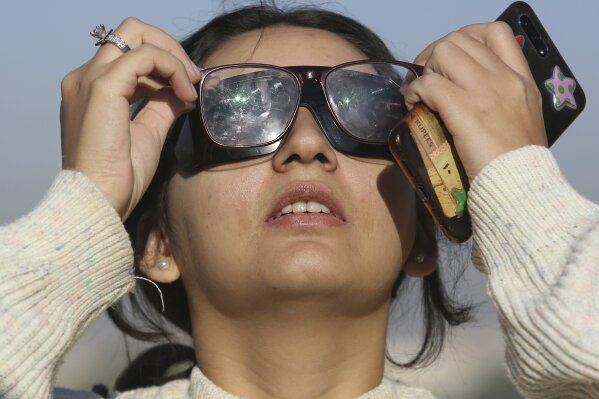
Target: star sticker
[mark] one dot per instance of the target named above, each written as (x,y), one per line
(562,88)
(460,196)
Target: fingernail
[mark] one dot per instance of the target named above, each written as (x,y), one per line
(194,68)
(189,106)
(195,92)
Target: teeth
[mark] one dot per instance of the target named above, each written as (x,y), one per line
(303,207)
(299,207)
(313,206)
(287,209)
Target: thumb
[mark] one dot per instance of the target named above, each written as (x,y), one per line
(159,113)
(148,133)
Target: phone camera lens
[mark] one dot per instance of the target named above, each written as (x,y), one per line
(533,35)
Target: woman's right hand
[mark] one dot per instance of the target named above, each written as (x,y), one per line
(98,138)
(478,80)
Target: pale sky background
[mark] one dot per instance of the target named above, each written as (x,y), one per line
(44,40)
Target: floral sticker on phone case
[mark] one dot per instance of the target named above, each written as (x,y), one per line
(562,88)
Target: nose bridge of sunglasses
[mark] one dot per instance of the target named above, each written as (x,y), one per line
(312,94)
(313,99)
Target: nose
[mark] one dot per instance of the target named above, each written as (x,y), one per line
(305,145)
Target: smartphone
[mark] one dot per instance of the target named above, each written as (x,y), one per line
(549,70)
(423,148)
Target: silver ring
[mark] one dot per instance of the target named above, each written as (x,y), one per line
(107,37)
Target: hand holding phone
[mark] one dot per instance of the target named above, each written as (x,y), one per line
(468,78)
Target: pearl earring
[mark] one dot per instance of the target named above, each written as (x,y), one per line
(162,264)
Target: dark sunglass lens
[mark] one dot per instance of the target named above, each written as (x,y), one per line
(367,98)
(248,106)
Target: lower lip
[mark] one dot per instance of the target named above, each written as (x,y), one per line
(306,220)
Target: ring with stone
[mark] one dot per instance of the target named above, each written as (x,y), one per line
(108,37)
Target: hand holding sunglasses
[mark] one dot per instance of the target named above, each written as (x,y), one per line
(99,139)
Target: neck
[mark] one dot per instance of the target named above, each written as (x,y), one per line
(291,352)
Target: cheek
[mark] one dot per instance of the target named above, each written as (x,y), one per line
(385,217)
(400,204)
(210,222)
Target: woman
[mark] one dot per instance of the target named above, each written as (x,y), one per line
(281,302)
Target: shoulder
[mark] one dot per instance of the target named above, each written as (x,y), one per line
(393,388)
(173,389)
(64,393)
(403,391)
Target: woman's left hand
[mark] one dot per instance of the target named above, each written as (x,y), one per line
(479,82)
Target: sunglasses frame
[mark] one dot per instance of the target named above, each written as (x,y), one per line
(302,75)
(195,148)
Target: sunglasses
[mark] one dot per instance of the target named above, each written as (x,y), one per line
(245,110)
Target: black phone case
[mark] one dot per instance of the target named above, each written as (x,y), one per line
(558,116)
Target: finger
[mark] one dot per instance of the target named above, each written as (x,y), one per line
(425,54)
(476,49)
(148,85)
(156,118)
(434,90)
(451,61)
(137,33)
(473,47)
(148,60)
(149,131)
(499,38)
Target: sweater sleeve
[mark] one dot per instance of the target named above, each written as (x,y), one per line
(60,267)
(538,241)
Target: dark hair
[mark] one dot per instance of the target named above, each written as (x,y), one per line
(151,368)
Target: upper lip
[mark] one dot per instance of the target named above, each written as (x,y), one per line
(306,191)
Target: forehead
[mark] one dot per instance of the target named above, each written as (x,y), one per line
(285,46)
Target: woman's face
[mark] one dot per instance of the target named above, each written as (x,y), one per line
(237,253)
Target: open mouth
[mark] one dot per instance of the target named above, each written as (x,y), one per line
(306,201)
(303,207)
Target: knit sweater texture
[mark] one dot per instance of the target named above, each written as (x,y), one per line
(536,239)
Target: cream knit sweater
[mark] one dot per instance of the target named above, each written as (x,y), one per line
(535,237)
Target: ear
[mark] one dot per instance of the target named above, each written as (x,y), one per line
(423,258)
(153,249)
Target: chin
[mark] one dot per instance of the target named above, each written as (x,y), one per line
(313,271)
(308,268)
